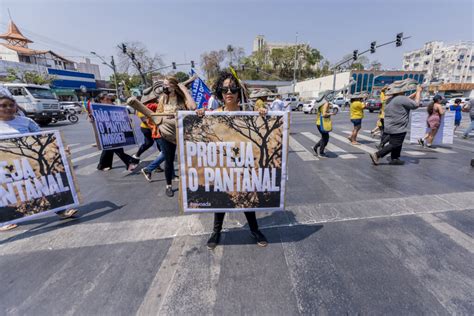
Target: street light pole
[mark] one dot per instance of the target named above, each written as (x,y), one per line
(294,68)
(114,69)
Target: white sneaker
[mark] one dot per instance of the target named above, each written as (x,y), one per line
(135,157)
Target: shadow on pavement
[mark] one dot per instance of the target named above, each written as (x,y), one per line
(84,215)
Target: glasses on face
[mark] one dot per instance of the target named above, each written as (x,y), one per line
(233,90)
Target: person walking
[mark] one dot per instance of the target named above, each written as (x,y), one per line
(149,101)
(324,124)
(277,104)
(228,90)
(357,114)
(469,107)
(457,109)
(107,156)
(397,118)
(435,111)
(176,97)
(12,124)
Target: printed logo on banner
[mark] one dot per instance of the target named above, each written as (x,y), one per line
(35,177)
(113,126)
(200,92)
(232,161)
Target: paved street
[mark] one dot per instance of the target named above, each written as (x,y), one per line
(355,239)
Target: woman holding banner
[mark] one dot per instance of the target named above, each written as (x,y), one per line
(11,123)
(229,91)
(175,98)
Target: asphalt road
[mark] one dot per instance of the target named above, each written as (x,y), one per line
(355,239)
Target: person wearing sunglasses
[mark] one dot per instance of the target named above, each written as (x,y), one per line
(10,124)
(229,91)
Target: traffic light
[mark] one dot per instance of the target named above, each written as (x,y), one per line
(174,65)
(192,63)
(355,54)
(124,48)
(132,55)
(373,46)
(399,39)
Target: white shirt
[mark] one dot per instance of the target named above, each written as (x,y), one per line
(19,125)
(212,104)
(277,105)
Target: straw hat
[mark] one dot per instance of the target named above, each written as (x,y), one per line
(401,86)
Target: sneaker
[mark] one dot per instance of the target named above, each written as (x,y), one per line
(169,191)
(67,213)
(132,166)
(7,227)
(158,170)
(315,150)
(135,157)
(396,162)
(213,240)
(421,142)
(322,155)
(375,158)
(261,240)
(146,173)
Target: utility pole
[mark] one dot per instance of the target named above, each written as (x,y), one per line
(294,68)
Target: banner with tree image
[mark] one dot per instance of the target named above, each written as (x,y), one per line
(232,161)
(35,176)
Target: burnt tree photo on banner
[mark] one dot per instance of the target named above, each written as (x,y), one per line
(35,177)
(233,161)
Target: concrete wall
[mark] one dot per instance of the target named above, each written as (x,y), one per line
(8,54)
(309,89)
(21,67)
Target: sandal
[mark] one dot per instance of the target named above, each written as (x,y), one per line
(7,227)
(67,213)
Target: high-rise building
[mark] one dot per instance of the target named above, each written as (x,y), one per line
(453,63)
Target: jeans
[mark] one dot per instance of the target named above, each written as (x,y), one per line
(148,141)
(323,141)
(394,146)
(158,160)
(107,157)
(169,149)
(469,129)
(251,219)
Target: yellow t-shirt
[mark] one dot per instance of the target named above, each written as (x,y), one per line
(357,110)
(259,104)
(142,124)
(322,110)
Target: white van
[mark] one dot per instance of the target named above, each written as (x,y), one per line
(39,102)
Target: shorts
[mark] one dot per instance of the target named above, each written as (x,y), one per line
(457,122)
(434,121)
(357,122)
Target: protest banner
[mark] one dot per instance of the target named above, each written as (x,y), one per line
(200,92)
(35,176)
(419,128)
(232,161)
(112,126)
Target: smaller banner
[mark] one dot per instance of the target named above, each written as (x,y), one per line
(232,161)
(112,125)
(35,176)
(200,92)
(419,128)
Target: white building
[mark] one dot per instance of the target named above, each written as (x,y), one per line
(259,43)
(90,68)
(443,63)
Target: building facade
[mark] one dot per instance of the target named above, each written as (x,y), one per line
(443,63)
(90,68)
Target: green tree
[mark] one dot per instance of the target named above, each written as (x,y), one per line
(181,76)
(14,75)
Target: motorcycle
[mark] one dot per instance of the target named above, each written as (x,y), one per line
(67,114)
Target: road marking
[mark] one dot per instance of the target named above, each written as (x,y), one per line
(331,147)
(344,139)
(78,149)
(414,153)
(456,235)
(80,158)
(301,151)
(73,145)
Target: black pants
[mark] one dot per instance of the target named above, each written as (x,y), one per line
(251,219)
(107,158)
(394,147)
(323,141)
(149,141)
(170,151)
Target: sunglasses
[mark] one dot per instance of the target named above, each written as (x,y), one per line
(233,90)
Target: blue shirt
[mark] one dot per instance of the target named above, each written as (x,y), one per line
(19,125)
(458,115)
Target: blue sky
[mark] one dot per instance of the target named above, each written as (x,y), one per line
(181,30)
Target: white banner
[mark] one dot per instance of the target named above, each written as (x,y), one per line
(419,128)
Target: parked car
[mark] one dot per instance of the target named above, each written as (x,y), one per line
(293,103)
(341,101)
(71,106)
(335,108)
(373,105)
(308,108)
(425,102)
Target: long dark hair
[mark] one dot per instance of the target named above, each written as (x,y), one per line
(223,76)
(430,108)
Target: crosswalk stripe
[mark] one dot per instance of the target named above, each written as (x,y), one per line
(78,149)
(331,147)
(363,147)
(301,151)
(73,145)
(80,158)
(414,153)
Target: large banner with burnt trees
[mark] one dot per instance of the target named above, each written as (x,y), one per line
(35,176)
(232,161)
